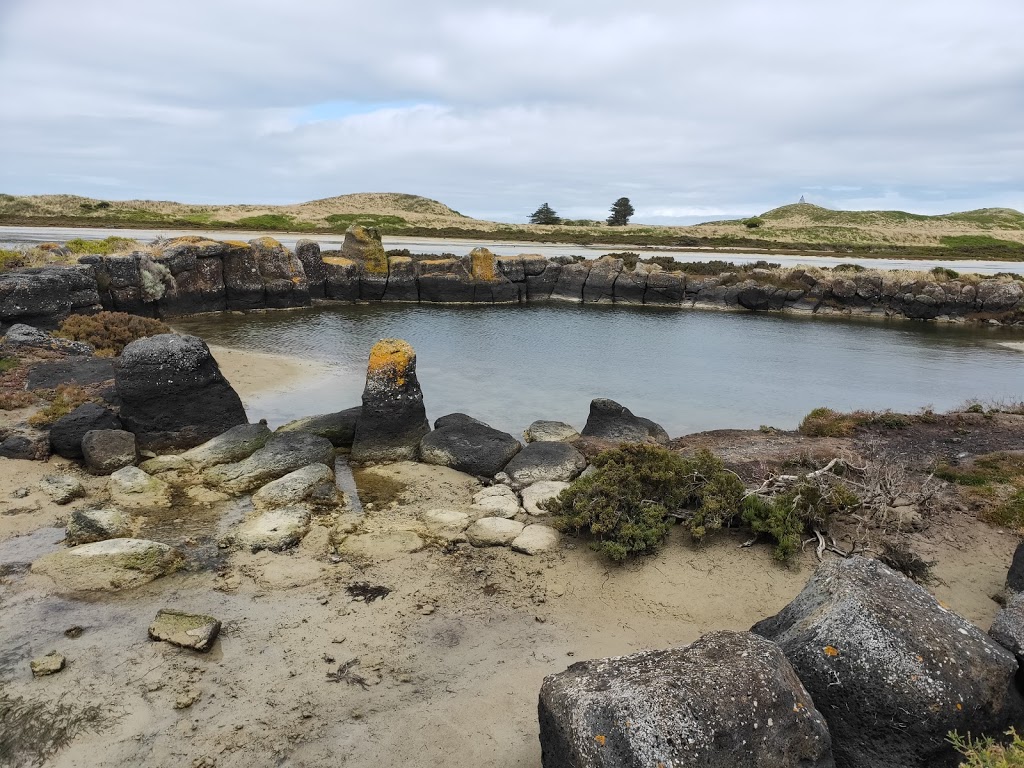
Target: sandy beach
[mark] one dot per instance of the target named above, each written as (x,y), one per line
(259,373)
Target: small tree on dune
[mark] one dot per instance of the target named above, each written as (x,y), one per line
(545,215)
(622,209)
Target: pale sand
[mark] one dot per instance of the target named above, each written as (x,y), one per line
(257,373)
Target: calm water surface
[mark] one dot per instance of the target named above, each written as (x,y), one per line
(688,370)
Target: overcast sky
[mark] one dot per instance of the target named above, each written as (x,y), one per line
(694,110)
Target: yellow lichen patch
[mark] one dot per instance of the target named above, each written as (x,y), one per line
(237,244)
(192,240)
(339,261)
(376,262)
(600,739)
(483,265)
(360,233)
(391,358)
(267,242)
(831,651)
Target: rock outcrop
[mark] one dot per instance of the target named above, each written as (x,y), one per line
(544,461)
(173,394)
(610,421)
(892,671)
(393,418)
(239,442)
(284,452)
(469,446)
(729,700)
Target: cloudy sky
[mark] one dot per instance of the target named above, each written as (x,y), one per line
(694,110)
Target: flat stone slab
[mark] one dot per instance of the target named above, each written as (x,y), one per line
(536,539)
(186,630)
(275,529)
(89,525)
(294,487)
(382,546)
(111,565)
(493,532)
(447,524)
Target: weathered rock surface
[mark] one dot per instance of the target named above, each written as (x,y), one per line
(1015,576)
(235,444)
(610,421)
(537,539)
(295,487)
(284,452)
(50,664)
(393,419)
(89,525)
(274,529)
(493,532)
(111,565)
(32,446)
(539,493)
(67,432)
(339,428)
(63,489)
(284,279)
(550,432)
(108,450)
(729,700)
(496,501)
(308,254)
(173,394)
(545,461)
(83,371)
(890,669)
(468,446)
(44,296)
(447,524)
(1008,627)
(132,487)
(21,336)
(186,630)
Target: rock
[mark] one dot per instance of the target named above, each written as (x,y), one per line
(296,487)
(111,565)
(497,501)
(108,450)
(493,532)
(169,463)
(284,452)
(729,700)
(468,446)
(393,419)
(1008,627)
(173,394)
(50,664)
(550,432)
(186,630)
(536,539)
(537,493)
(1015,576)
(610,421)
(33,446)
(284,279)
(364,244)
(386,545)
(339,428)
(447,524)
(67,432)
(457,420)
(44,296)
(236,444)
(63,489)
(891,670)
(308,254)
(243,284)
(21,336)
(83,371)
(545,461)
(89,525)
(132,487)
(274,529)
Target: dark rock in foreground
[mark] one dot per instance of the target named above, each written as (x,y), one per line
(173,394)
(107,450)
(67,432)
(1008,627)
(610,421)
(890,669)
(393,418)
(468,445)
(1015,576)
(83,371)
(729,700)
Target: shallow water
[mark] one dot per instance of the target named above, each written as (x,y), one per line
(689,370)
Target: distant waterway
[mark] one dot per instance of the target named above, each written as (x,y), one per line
(23,236)
(690,370)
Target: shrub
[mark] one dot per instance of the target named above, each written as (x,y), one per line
(848,268)
(985,752)
(8,364)
(824,422)
(787,516)
(11,260)
(627,502)
(10,401)
(109,332)
(754,222)
(63,401)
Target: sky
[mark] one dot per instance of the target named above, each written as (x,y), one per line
(694,110)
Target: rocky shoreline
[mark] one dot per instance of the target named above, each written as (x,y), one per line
(191,275)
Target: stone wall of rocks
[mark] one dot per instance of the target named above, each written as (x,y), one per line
(191,275)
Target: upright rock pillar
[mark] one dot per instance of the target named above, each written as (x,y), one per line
(393,419)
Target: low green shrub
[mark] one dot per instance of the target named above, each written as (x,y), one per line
(986,752)
(109,332)
(754,222)
(104,247)
(825,422)
(786,517)
(626,503)
(943,272)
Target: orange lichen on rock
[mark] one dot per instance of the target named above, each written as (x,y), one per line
(831,651)
(483,262)
(391,358)
(267,242)
(600,739)
(338,261)
(237,244)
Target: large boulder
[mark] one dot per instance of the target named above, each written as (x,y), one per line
(393,419)
(233,445)
(108,450)
(284,452)
(545,461)
(44,296)
(729,700)
(892,671)
(111,565)
(173,394)
(610,421)
(1008,627)
(308,254)
(284,279)
(468,446)
(67,432)
(339,428)
(314,481)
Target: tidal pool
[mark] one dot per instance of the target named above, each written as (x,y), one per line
(689,370)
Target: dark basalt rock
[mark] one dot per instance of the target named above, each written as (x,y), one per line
(571,280)
(393,418)
(308,254)
(1015,576)
(610,421)
(172,393)
(401,284)
(545,461)
(83,371)
(467,445)
(729,700)
(890,669)
(33,446)
(44,296)
(243,284)
(107,450)
(1008,627)
(339,428)
(342,278)
(21,336)
(599,287)
(665,288)
(284,280)
(67,432)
